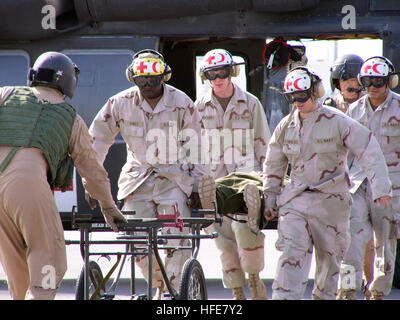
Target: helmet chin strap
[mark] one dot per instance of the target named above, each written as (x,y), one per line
(353,90)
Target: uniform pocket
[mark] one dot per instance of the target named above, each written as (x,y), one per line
(325,145)
(210,123)
(291,148)
(134,131)
(240,124)
(390,139)
(395,223)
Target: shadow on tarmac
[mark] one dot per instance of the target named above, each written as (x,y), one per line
(215,290)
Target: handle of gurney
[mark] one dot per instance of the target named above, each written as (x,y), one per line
(178,223)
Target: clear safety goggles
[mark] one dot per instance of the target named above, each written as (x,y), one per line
(299,96)
(221,73)
(377,82)
(147,81)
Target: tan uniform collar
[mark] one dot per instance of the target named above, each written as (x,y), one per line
(296,116)
(239,96)
(167,100)
(48,94)
(383,105)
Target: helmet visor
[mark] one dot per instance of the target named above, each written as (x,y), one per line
(221,73)
(149,81)
(377,82)
(77,71)
(345,70)
(299,96)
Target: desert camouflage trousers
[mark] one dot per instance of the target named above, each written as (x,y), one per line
(154,197)
(311,220)
(241,251)
(366,217)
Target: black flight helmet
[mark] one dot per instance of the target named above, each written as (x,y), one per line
(55,70)
(344,68)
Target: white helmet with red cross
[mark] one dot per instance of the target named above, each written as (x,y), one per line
(375,67)
(303,79)
(379,66)
(218,58)
(297,80)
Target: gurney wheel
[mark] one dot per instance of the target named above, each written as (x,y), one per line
(193,285)
(95,278)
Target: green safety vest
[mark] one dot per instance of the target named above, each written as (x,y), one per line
(26,121)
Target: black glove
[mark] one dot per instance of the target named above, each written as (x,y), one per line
(194,201)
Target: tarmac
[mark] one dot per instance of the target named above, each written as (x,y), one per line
(208,258)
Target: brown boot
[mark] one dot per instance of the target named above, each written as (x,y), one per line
(207,192)
(377,296)
(251,197)
(257,288)
(347,294)
(161,293)
(366,292)
(238,293)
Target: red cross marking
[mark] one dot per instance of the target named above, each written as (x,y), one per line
(366,68)
(288,84)
(142,67)
(210,59)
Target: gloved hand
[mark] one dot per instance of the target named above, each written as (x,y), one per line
(269,213)
(92,202)
(194,201)
(112,215)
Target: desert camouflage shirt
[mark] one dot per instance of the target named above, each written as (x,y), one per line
(164,141)
(384,123)
(243,129)
(316,149)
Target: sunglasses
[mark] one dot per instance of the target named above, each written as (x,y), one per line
(149,81)
(377,82)
(221,73)
(300,96)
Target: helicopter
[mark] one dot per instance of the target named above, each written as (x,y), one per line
(101,37)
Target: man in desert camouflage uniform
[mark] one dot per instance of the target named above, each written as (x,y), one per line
(379,111)
(343,77)
(159,124)
(237,116)
(314,207)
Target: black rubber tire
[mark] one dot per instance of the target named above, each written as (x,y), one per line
(193,285)
(95,278)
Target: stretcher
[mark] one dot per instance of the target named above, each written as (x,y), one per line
(141,236)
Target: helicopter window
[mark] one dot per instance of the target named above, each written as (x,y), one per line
(18,62)
(102,75)
(240,80)
(321,54)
